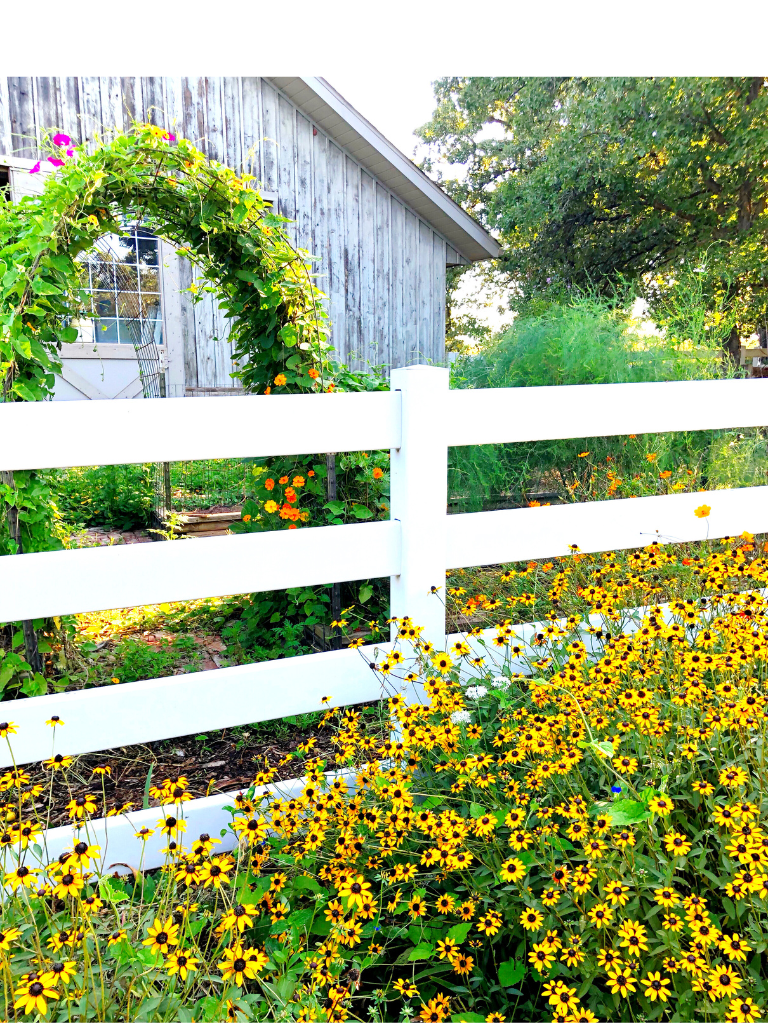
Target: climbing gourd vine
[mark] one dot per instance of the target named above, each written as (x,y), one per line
(215,218)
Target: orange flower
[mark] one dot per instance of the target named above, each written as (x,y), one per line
(270,506)
(311,472)
(283,480)
(290,494)
(651,457)
(702,511)
(298,481)
(246,519)
(268,391)
(269,483)
(280,379)
(378,473)
(331,387)
(313,373)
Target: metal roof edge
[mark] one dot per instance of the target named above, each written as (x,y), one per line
(468,237)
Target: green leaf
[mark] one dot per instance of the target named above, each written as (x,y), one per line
(240,212)
(510,972)
(35,687)
(111,891)
(366,592)
(361,512)
(43,287)
(251,892)
(476,810)
(61,263)
(460,931)
(421,952)
(558,843)
(147,784)
(470,1018)
(627,812)
(307,882)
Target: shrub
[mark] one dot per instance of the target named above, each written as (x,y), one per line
(116,497)
(591,341)
(568,826)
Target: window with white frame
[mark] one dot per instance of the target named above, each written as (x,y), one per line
(124,287)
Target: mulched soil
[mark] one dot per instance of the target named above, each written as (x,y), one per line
(226,761)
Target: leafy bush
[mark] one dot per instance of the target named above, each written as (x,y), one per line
(589,341)
(592,341)
(569,825)
(136,659)
(116,497)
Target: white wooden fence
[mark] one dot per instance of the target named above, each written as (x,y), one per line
(418,420)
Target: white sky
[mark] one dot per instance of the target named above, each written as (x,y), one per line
(407,103)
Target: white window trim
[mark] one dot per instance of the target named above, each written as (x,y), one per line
(22,183)
(104,350)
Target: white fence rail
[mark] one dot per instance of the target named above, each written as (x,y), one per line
(418,420)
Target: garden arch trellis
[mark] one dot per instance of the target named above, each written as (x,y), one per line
(218,221)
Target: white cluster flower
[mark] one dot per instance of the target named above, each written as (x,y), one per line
(461,716)
(476,692)
(501,682)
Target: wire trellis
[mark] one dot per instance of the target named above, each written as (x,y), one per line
(123,282)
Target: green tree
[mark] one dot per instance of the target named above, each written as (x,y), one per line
(591,181)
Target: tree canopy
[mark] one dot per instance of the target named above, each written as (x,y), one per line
(591,181)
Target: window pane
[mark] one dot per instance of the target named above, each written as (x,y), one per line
(131,332)
(102,274)
(128,304)
(104,304)
(149,280)
(150,307)
(146,247)
(106,332)
(127,277)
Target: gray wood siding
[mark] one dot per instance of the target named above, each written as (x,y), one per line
(382,267)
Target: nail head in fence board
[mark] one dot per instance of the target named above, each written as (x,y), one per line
(124,576)
(52,434)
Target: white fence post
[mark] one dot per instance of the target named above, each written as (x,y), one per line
(419,497)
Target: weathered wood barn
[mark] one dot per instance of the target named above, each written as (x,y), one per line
(383,231)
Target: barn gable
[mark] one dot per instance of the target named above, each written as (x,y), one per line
(383,232)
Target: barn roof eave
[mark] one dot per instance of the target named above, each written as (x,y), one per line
(346,126)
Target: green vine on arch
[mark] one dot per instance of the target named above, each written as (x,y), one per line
(279,325)
(216,219)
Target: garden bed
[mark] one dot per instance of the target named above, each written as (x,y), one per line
(215,762)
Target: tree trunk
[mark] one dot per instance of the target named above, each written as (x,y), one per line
(32,652)
(330,461)
(732,346)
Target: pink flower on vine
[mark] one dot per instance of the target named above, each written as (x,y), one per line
(55,161)
(169,137)
(70,152)
(60,139)
(35,169)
